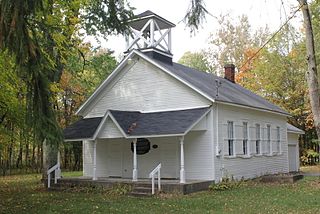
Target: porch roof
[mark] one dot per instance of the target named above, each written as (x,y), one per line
(82,129)
(137,124)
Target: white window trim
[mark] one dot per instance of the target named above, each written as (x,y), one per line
(258,139)
(248,155)
(278,140)
(233,139)
(269,141)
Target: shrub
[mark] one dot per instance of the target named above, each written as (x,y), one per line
(226,184)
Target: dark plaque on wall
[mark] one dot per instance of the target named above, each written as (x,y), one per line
(143,146)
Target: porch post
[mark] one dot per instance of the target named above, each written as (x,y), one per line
(182,172)
(135,171)
(94,176)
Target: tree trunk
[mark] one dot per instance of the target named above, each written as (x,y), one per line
(311,74)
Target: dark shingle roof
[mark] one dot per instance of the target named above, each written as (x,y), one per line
(82,129)
(157,123)
(228,92)
(135,123)
(293,129)
(141,19)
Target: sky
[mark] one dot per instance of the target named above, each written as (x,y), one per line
(260,13)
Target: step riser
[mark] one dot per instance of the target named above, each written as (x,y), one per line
(142,190)
(139,194)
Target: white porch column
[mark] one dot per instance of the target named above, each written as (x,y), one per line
(135,171)
(94,175)
(182,172)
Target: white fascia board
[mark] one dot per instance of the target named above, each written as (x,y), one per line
(100,125)
(118,126)
(295,132)
(104,83)
(254,108)
(173,75)
(80,139)
(197,121)
(154,136)
(177,109)
(108,114)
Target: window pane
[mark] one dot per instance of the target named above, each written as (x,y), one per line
(269,138)
(230,138)
(245,147)
(245,130)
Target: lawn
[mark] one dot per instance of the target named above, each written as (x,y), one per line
(311,169)
(25,194)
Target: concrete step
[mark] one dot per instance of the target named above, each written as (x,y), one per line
(142,189)
(140,194)
(142,185)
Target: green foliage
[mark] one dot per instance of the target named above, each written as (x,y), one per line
(119,189)
(229,43)
(196,60)
(104,17)
(195,15)
(226,184)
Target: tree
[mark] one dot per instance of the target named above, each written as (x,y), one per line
(230,41)
(311,74)
(40,34)
(196,60)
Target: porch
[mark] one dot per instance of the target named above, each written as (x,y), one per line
(167,185)
(128,147)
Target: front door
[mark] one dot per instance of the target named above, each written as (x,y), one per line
(114,158)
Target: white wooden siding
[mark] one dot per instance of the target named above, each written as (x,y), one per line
(87,152)
(144,87)
(255,165)
(110,130)
(198,154)
(293,152)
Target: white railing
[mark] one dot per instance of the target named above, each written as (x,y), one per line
(57,171)
(152,175)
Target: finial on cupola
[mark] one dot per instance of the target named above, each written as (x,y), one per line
(151,34)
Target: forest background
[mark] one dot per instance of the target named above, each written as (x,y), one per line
(69,70)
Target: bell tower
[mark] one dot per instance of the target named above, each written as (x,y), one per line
(150,34)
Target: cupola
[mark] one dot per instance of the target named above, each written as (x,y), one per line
(150,34)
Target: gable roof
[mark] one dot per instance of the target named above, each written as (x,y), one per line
(203,83)
(137,124)
(228,92)
(293,129)
(141,19)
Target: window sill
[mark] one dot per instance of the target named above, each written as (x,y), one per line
(244,156)
(230,157)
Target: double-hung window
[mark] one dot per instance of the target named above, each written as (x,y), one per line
(269,146)
(278,140)
(230,139)
(245,138)
(258,149)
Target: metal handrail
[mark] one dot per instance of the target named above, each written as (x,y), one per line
(57,171)
(152,174)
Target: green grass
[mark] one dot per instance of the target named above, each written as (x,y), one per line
(311,169)
(72,174)
(25,194)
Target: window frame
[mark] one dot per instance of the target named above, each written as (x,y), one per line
(278,139)
(230,137)
(269,144)
(245,134)
(258,139)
